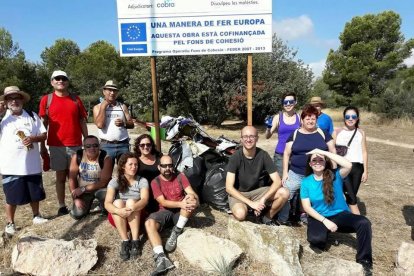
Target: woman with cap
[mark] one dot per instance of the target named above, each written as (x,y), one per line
(322,199)
(285,122)
(324,120)
(352,137)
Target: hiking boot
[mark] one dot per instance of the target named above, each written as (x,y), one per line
(304,218)
(162,264)
(124,253)
(63,211)
(171,243)
(367,265)
(39,219)
(284,223)
(134,251)
(271,223)
(10,229)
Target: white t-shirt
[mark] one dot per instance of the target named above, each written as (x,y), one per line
(89,171)
(16,159)
(354,153)
(110,131)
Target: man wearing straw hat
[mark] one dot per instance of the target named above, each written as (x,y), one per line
(112,119)
(20,164)
(324,121)
(64,116)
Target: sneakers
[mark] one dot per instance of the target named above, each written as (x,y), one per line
(63,211)
(134,251)
(171,243)
(284,223)
(124,253)
(10,229)
(39,220)
(304,218)
(162,264)
(367,265)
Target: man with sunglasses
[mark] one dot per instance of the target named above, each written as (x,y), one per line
(112,119)
(243,181)
(20,164)
(177,202)
(88,178)
(64,116)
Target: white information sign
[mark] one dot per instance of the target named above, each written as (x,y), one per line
(194,27)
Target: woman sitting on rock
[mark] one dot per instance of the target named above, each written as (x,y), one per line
(323,200)
(126,197)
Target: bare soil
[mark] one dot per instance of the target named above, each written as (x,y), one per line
(387,200)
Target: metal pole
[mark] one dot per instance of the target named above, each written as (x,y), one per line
(249,89)
(155,102)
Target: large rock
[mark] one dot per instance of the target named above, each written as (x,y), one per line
(268,244)
(405,257)
(41,256)
(332,267)
(208,252)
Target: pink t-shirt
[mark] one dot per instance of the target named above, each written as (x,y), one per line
(171,189)
(64,120)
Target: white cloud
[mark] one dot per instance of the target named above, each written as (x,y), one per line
(317,68)
(293,28)
(410,60)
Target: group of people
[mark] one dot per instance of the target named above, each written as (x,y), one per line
(146,191)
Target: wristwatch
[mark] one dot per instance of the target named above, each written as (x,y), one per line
(83,189)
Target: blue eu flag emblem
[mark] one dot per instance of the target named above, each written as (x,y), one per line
(133,32)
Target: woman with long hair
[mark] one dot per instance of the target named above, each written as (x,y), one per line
(284,123)
(322,199)
(148,161)
(357,154)
(126,197)
(301,141)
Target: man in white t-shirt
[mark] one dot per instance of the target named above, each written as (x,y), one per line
(112,119)
(20,164)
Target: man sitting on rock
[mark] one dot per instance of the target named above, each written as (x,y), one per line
(244,170)
(177,202)
(89,173)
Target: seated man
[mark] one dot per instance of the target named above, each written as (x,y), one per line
(242,181)
(89,173)
(177,202)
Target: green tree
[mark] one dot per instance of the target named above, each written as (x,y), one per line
(372,48)
(57,56)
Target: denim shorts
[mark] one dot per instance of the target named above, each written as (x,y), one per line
(115,150)
(293,182)
(278,160)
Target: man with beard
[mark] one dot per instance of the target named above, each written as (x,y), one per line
(20,134)
(112,119)
(244,170)
(177,202)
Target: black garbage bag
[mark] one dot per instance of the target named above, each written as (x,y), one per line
(196,175)
(214,188)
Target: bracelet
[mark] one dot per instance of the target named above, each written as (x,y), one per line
(83,189)
(323,220)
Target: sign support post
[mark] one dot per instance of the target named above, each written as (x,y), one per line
(249,89)
(155,102)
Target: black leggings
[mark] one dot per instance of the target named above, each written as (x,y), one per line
(347,223)
(352,182)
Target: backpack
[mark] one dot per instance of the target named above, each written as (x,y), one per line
(50,97)
(101,158)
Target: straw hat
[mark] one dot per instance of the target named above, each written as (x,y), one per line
(9,90)
(317,100)
(111,85)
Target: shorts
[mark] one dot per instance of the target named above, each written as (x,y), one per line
(252,195)
(165,217)
(142,219)
(278,160)
(293,183)
(21,190)
(60,157)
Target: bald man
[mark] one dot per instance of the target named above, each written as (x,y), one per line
(244,185)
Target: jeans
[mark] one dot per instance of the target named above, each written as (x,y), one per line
(115,150)
(293,185)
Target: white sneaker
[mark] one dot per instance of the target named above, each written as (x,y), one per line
(10,229)
(39,220)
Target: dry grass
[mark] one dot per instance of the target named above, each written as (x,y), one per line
(387,200)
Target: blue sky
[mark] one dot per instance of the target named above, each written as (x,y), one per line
(310,26)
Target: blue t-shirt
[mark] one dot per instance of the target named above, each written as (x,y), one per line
(325,123)
(303,144)
(312,189)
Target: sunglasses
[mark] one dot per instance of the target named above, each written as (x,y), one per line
(164,166)
(14,98)
(248,137)
(60,78)
(143,145)
(351,117)
(289,102)
(88,146)
(315,161)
